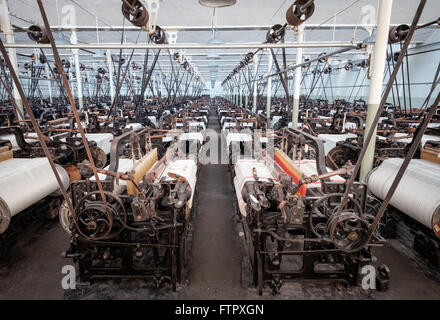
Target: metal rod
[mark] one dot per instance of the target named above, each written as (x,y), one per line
(60,69)
(337,44)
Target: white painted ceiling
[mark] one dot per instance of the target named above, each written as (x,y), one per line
(188,13)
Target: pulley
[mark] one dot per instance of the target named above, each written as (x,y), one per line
(135,12)
(98,220)
(249,57)
(299,12)
(158,36)
(102,71)
(65,63)
(364,64)
(398,33)
(348,231)
(348,66)
(275,33)
(38,34)
(322,60)
(327,70)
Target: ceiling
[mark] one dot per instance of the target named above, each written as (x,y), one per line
(248,18)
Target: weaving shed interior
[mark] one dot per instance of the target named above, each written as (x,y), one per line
(220,149)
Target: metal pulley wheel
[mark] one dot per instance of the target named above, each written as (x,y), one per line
(65,217)
(299,12)
(275,33)
(398,33)
(65,63)
(364,64)
(38,34)
(348,66)
(324,208)
(99,220)
(336,158)
(348,231)
(327,70)
(135,12)
(249,57)
(322,60)
(158,36)
(82,67)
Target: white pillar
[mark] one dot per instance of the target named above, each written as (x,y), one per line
(254,108)
(247,99)
(89,78)
(377,71)
(6,26)
(298,75)
(240,91)
(269,86)
(74,40)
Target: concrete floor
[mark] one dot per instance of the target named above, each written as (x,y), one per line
(33,268)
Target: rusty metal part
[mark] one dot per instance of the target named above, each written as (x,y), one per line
(38,34)
(299,12)
(398,33)
(34,123)
(135,12)
(158,36)
(11,96)
(276,33)
(60,69)
(119,176)
(73,172)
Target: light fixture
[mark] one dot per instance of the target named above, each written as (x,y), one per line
(217,3)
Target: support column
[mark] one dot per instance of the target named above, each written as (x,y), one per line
(298,75)
(269,87)
(254,108)
(377,71)
(74,40)
(110,74)
(6,26)
(240,91)
(246,99)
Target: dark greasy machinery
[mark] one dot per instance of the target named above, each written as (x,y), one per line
(288,209)
(138,226)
